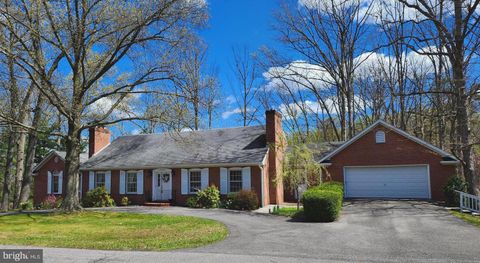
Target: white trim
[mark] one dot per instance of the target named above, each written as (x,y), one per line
(126,181)
(182,166)
(395,129)
(188,179)
(325,164)
(393,165)
(450,162)
(261,184)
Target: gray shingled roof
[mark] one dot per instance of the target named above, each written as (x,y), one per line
(243,145)
(61,154)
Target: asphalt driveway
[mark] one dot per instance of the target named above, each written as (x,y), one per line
(368,231)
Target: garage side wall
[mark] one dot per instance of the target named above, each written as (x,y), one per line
(397,150)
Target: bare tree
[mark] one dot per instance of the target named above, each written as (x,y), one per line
(245,69)
(92,38)
(456,25)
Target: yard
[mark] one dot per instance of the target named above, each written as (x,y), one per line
(109,231)
(474,220)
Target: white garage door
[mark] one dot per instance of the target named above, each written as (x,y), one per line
(387,181)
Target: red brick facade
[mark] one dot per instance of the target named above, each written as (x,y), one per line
(40,180)
(276,144)
(99,138)
(397,150)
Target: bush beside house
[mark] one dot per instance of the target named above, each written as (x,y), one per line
(323,203)
(98,197)
(452,198)
(242,200)
(206,198)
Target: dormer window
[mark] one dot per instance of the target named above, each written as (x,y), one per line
(380,137)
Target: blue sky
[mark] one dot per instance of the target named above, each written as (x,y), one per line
(236,23)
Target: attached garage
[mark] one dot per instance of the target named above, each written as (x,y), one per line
(383,161)
(387,182)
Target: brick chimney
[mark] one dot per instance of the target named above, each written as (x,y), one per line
(276,144)
(98,138)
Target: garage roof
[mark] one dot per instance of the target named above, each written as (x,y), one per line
(447,157)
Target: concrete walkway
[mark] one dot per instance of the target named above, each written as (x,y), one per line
(368,231)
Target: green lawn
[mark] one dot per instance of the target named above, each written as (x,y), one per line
(474,220)
(110,231)
(289,212)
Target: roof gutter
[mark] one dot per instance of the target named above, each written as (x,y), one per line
(203,165)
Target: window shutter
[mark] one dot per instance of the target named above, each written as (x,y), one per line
(140,182)
(246,178)
(60,182)
(108,181)
(49,182)
(204,178)
(223,181)
(184,181)
(91,180)
(122,182)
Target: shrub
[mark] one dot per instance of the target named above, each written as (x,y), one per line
(124,201)
(208,197)
(192,202)
(49,202)
(26,205)
(98,197)
(456,182)
(321,205)
(242,200)
(330,186)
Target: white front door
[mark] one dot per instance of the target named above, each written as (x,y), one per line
(162,185)
(387,182)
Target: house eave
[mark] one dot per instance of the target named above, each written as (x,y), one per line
(203,165)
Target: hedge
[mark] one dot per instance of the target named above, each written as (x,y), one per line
(323,203)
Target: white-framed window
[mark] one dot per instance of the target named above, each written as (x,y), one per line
(99,179)
(234,180)
(131,184)
(380,137)
(194,180)
(55,182)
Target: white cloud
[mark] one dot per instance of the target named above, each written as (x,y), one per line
(295,110)
(229,113)
(298,75)
(230,99)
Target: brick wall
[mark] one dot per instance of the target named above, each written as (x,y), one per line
(397,150)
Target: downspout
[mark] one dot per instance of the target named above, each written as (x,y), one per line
(261,183)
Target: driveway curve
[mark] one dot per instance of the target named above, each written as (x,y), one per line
(367,231)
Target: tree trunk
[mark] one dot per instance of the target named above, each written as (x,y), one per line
(7,180)
(31,149)
(71,201)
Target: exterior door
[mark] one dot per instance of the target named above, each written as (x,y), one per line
(387,182)
(162,185)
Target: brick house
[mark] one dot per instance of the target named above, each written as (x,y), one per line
(173,166)
(383,161)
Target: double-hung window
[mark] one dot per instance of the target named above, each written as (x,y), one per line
(131,182)
(235,180)
(99,179)
(195,180)
(55,182)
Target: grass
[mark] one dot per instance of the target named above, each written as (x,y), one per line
(289,212)
(474,220)
(109,231)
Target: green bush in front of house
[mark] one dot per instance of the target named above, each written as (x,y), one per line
(321,206)
(456,182)
(242,200)
(330,186)
(98,197)
(206,198)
